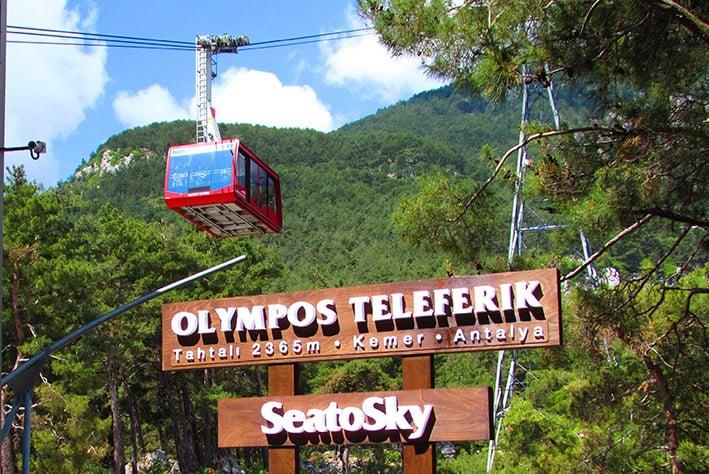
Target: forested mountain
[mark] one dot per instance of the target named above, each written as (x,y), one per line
(339,189)
(105,236)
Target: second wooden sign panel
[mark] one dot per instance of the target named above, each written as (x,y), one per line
(428,415)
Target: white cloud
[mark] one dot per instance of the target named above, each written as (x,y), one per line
(49,88)
(239,95)
(152,104)
(365,64)
(259,97)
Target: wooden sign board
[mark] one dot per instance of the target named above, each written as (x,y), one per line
(470,313)
(430,415)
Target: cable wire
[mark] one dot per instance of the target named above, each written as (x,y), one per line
(248,48)
(98,42)
(342,32)
(55,33)
(100,35)
(130,44)
(58,43)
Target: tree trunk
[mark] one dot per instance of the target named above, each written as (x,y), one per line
(345,458)
(208,439)
(172,408)
(139,430)
(19,332)
(136,434)
(189,424)
(670,416)
(161,438)
(134,428)
(133,453)
(8,464)
(119,458)
(259,382)
(665,394)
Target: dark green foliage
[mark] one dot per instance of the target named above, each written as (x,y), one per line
(433,219)
(631,171)
(69,263)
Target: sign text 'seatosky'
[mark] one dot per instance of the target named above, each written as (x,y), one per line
(471,313)
(430,415)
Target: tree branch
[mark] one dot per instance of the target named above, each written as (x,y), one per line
(537,136)
(688,15)
(556,71)
(694,291)
(606,246)
(685,315)
(684,266)
(655,211)
(588,15)
(646,278)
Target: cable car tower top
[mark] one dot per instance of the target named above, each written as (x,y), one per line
(208,45)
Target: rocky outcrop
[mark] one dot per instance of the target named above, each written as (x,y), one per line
(111,161)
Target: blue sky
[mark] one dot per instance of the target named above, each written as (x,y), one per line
(74,98)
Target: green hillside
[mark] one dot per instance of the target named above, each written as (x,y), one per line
(339,188)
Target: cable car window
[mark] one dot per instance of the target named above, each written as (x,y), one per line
(253,167)
(241,171)
(195,171)
(259,186)
(271,194)
(223,188)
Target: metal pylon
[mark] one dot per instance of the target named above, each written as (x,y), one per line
(207,46)
(505,374)
(205,74)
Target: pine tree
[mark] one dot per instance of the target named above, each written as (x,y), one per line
(633,175)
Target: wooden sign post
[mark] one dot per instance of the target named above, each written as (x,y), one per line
(417,373)
(417,458)
(283,380)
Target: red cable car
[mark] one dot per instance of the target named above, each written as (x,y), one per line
(223,188)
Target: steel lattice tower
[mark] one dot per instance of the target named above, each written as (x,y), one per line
(525,219)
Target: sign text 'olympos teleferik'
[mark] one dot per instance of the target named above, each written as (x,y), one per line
(486,312)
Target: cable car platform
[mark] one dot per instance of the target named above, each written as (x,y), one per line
(225,220)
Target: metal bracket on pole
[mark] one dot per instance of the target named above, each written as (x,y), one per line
(35,148)
(23,378)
